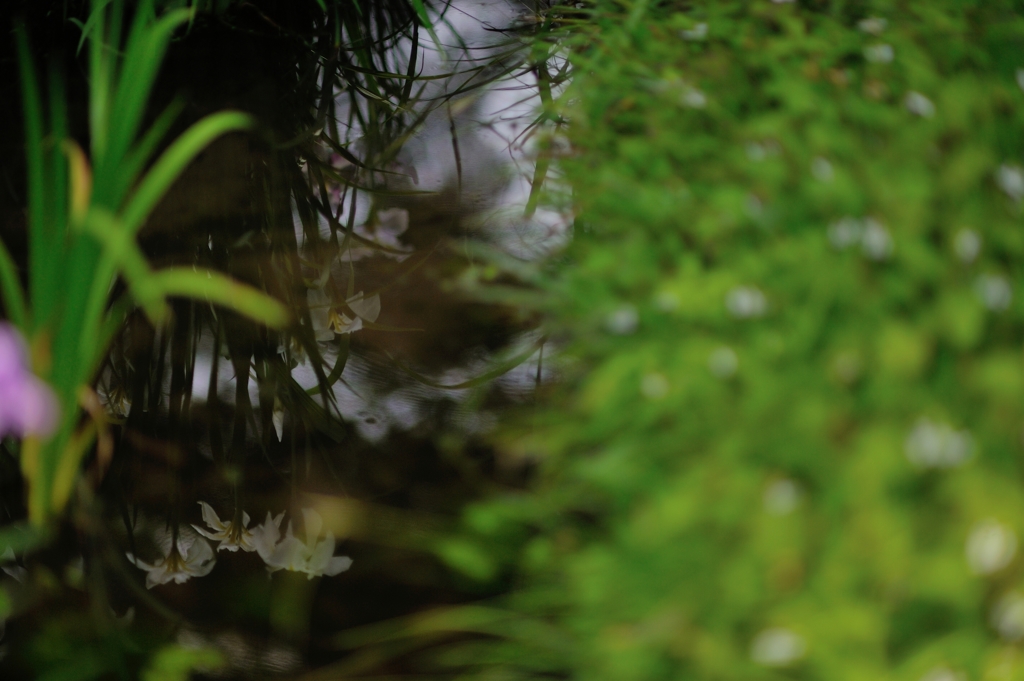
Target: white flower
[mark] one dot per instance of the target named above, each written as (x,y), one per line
(327,319)
(723,362)
(654,386)
(777,647)
(622,321)
(693,98)
(822,170)
(782,497)
(231,535)
(881,53)
(876,242)
(1008,616)
(1010,179)
(873,25)
(313,557)
(698,32)
(1020,78)
(990,547)
(745,302)
(845,232)
(189,557)
(917,103)
(994,291)
(937,445)
(967,245)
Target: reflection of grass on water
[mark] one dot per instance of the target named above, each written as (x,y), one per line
(140,271)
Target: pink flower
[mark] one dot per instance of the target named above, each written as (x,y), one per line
(27,405)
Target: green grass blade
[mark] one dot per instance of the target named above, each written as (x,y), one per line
(221,290)
(10,289)
(143,56)
(173,161)
(119,244)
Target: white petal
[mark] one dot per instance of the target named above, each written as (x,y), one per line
(245,519)
(320,556)
(211,518)
(288,555)
(367,308)
(337,565)
(277,417)
(214,536)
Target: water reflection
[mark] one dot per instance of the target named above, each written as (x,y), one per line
(357,430)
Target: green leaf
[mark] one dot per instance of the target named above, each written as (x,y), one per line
(221,290)
(10,289)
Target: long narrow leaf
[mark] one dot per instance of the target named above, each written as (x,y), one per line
(10,289)
(221,290)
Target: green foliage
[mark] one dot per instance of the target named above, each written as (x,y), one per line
(788,443)
(176,663)
(84,214)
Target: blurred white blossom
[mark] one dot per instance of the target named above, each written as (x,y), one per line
(782,497)
(873,25)
(821,169)
(990,547)
(723,362)
(654,386)
(937,445)
(1020,78)
(622,321)
(967,245)
(845,232)
(693,98)
(1010,179)
(994,291)
(882,53)
(698,32)
(745,302)
(1007,616)
(314,557)
(876,242)
(777,647)
(917,103)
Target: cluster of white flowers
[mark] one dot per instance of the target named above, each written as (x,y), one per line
(874,239)
(191,556)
